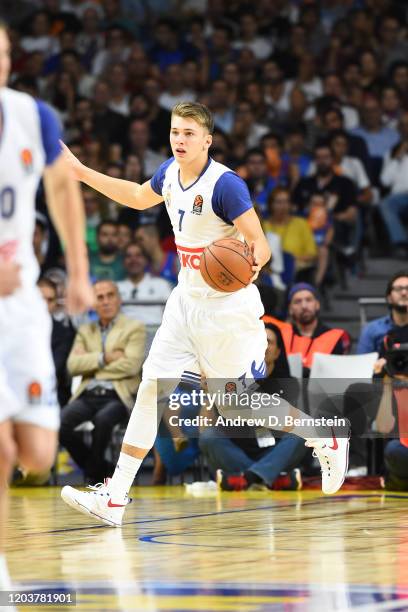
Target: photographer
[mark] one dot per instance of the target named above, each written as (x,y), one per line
(372,336)
(391,419)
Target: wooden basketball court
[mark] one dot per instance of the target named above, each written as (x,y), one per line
(249,552)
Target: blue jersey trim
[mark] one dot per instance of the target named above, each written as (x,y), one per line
(197,179)
(157,180)
(231,197)
(50,132)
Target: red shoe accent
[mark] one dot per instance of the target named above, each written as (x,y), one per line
(112,505)
(335,445)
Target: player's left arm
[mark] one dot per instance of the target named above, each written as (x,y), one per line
(249,226)
(232,202)
(66,209)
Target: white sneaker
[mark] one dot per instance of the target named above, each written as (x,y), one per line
(97,503)
(333,456)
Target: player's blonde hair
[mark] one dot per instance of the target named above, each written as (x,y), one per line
(194,110)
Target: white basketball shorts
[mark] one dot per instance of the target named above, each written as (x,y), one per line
(27,376)
(219,337)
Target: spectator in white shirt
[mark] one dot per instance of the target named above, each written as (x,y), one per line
(394,175)
(175,90)
(142,287)
(350,166)
(249,37)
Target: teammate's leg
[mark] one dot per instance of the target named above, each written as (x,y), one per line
(8,457)
(36,447)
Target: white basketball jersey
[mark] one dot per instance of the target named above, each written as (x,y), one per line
(200,214)
(28,140)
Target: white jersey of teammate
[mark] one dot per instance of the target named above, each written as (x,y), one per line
(205,331)
(29,141)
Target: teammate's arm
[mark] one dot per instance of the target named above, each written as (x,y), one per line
(65,205)
(250,227)
(121,191)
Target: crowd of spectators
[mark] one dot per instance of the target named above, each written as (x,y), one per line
(310,101)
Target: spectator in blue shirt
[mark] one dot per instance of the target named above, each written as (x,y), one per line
(372,335)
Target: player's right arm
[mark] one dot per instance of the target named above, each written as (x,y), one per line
(121,191)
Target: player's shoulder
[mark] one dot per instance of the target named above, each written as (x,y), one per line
(168,165)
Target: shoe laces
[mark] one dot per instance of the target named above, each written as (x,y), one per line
(99,485)
(318,446)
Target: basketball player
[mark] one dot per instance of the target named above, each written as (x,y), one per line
(29,149)
(219,335)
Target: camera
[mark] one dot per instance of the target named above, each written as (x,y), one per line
(397,360)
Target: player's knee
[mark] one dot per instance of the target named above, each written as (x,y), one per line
(147,395)
(37,460)
(8,458)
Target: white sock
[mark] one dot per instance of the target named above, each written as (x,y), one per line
(5,582)
(124,475)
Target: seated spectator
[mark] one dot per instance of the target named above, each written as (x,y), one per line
(62,338)
(296,160)
(163,263)
(107,262)
(260,182)
(394,175)
(107,125)
(220,106)
(124,236)
(372,335)
(93,210)
(142,286)
(333,120)
(174,91)
(379,139)
(249,37)
(351,167)
(40,239)
(321,223)
(340,194)
(108,355)
(399,77)
(390,106)
(139,139)
(380,406)
(257,460)
(305,333)
(296,236)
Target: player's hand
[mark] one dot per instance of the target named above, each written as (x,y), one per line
(79,296)
(9,278)
(256,268)
(72,162)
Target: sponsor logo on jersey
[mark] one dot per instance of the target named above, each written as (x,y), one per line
(34,392)
(27,160)
(189,258)
(230,387)
(198,205)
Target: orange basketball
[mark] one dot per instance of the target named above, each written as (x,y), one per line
(226,265)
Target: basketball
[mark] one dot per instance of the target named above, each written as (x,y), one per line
(226,265)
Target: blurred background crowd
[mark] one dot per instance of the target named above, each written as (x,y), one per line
(310,100)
